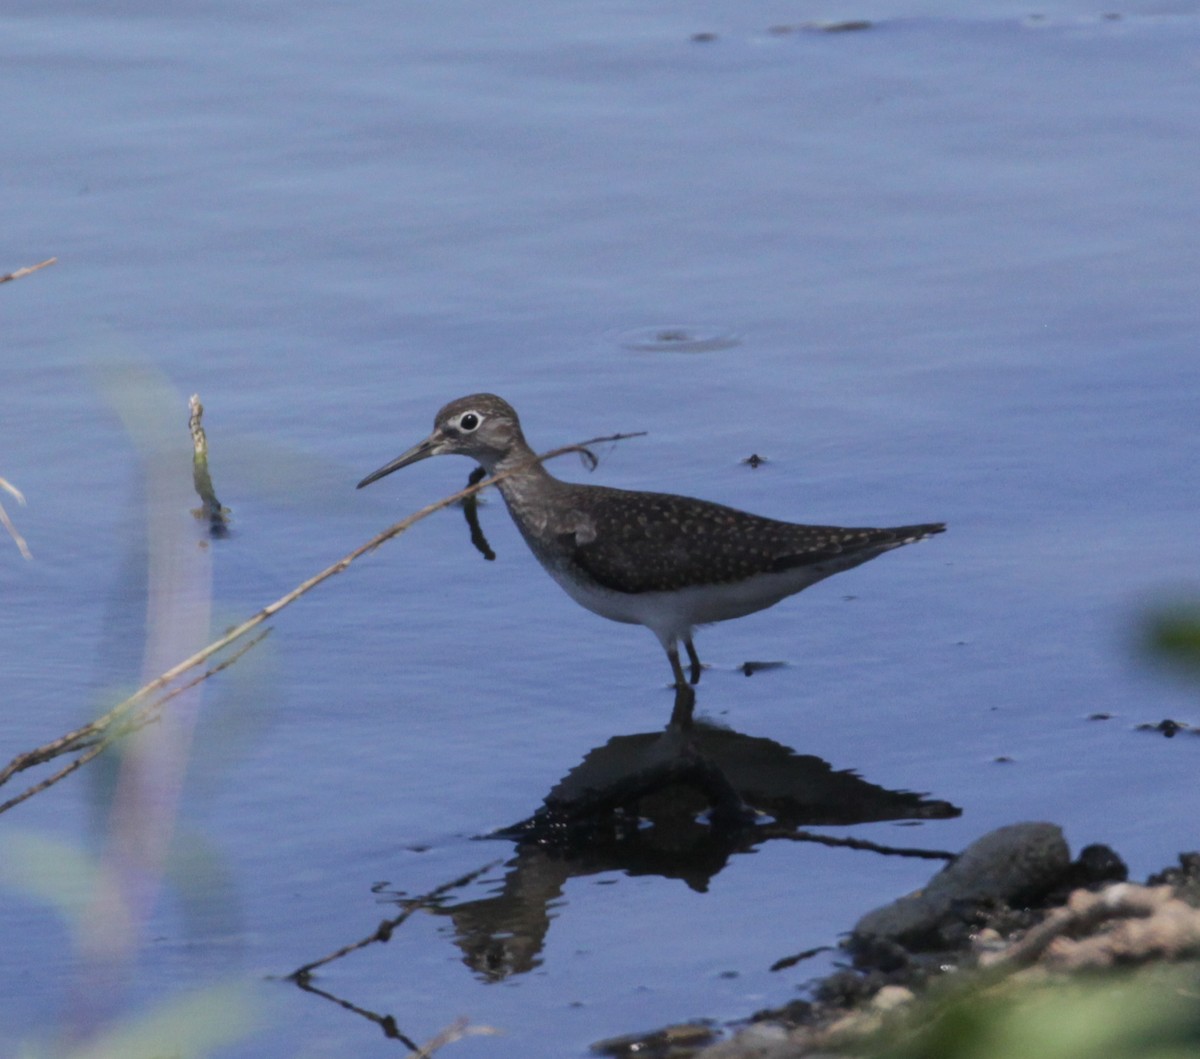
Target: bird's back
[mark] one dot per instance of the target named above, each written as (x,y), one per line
(634,542)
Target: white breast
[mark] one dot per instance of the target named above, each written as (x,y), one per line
(673,615)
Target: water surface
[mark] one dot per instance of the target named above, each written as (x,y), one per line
(940,268)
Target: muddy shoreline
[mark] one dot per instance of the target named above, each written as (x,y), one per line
(1014,912)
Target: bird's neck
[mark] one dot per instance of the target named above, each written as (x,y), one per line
(520,464)
(528,484)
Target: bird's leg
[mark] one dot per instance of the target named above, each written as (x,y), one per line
(685,703)
(676,668)
(694,659)
(685,696)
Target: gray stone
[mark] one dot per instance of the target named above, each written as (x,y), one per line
(1006,866)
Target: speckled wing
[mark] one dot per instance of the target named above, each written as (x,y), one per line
(654,542)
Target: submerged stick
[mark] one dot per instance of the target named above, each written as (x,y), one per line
(383,933)
(85,735)
(218,516)
(857,843)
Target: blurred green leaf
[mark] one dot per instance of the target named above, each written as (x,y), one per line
(1153,1016)
(52,871)
(186,1027)
(1173,634)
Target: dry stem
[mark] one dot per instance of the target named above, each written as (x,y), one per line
(87,735)
(456,1031)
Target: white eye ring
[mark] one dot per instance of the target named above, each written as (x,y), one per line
(469,422)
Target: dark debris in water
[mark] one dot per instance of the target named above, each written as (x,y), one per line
(785,962)
(1169,728)
(750,668)
(660,1044)
(851,25)
(678,339)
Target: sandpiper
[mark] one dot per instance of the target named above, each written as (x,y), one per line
(668,562)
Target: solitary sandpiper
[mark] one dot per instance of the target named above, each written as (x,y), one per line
(654,559)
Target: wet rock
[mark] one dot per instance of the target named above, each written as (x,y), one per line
(1096,865)
(1185,878)
(1010,865)
(1097,926)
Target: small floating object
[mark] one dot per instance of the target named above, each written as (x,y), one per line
(677,339)
(750,668)
(844,26)
(851,25)
(1167,727)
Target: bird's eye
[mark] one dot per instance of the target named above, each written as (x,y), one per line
(469,421)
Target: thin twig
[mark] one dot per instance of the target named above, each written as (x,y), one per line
(151,713)
(854,843)
(387,1023)
(95,750)
(26,271)
(383,932)
(94,744)
(66,743)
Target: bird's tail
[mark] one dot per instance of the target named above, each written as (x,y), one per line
(910,534)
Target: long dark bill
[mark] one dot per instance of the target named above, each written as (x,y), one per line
(423,451)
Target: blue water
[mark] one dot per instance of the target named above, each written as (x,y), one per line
(942,268)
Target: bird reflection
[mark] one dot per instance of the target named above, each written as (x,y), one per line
(675,804)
